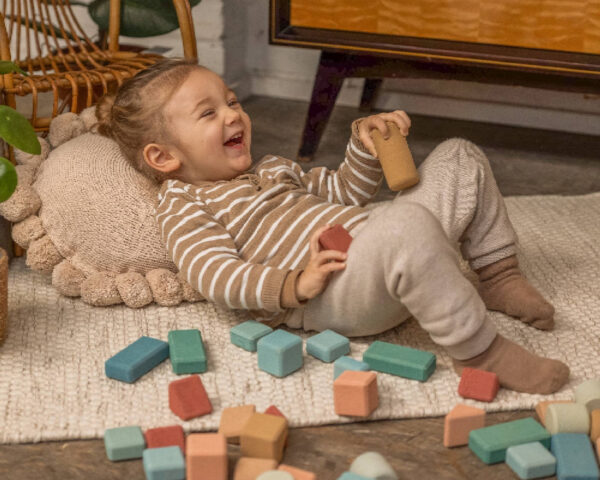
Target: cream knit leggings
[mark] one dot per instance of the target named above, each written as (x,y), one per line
(403,259)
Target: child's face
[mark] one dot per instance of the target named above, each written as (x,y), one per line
(203,116)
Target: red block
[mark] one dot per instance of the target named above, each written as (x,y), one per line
(188,399)
(478,384)
(336,238)
(273,410)
(165,437)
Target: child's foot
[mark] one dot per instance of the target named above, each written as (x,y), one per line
(518,369)
(503,288)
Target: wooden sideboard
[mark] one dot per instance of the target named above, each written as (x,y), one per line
(535,43)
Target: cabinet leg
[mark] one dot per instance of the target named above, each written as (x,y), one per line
(369,93)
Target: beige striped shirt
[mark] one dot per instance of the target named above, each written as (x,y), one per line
(243,242)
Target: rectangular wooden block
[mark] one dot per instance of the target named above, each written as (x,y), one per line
(206,456)
(575,459)
(187,351)
(264,436)
(478,384)
(336,238)
(542,407)
(459,422)
(399,360)
(136,359)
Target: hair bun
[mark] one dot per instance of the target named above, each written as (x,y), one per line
(104,114)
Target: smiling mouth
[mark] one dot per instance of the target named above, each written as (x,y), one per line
(236,140)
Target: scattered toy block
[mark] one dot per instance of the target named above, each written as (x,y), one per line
(165,437)
(348,363)
(275,475)
(490,443)
(567,418)
(136,359)
(233,420)
(297,473)
(595,425)
(188,398)
(327,346)
(478,384)
(374,465)
(355,393)
(542,407)
(280,353)
(164,463)
(336,238)
(273,410)
(124,443)
(530,460)
(588,393)
(264,436)
(574,457)
(352,476)
(247,334)
(399,360)
(187,351)
(206,455)
(459,422)
(248,468)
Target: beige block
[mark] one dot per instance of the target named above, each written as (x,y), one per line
(459,422)
(588,393)
(541,408)
(567,418)
(264,436)
(248,468)
(233,420)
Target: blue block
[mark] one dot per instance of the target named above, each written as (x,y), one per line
(164,463)
(280,353)
(574,457)
(531,460)
(348,363)
(352,476)
(327,346)
(246,335)
(124,443)
(136,359)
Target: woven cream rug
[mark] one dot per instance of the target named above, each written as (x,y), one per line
(52,382)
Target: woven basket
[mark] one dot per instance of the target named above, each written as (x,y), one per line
(3,294)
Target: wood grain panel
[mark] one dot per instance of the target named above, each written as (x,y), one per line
(352,15)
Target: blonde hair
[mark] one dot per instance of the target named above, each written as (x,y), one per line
(132,116)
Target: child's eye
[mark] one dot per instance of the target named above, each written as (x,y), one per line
(207,113)
(233,102)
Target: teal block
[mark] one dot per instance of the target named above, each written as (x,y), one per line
(348,363)
(136,359)
(246,334)
(398,360)
(186,351)
(327,346)
(490,443)
(280,353)
(575,459)
(352,476)
(531,460)
(124,443)
(164,463)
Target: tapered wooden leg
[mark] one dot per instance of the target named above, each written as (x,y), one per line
(369,93)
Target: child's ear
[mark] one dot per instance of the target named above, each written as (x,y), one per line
(160,158)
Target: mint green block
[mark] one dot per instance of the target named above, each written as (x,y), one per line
(348,363)
(490,443)
(280,353)
(401,361)
(530,460)
(186,351)
(164,463)
(247,334)
(124,443)
(352,476)
(327,346)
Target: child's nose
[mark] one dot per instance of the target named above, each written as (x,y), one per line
(233,115)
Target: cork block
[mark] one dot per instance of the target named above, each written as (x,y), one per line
(164,463)
(275,475)
(490,443)
(124,443)
(336,238)
(248,468)
(374,465)
(297,473)
(399,360)
(567,418)
(273,410)
(575,457)
(595,425)
(188,398)
(588,393)
(355,393)
(186,351)
(542,407)
(327,346)
(165,437)
(206,456)
(459,422)
(264,436)
(247,334)
(280,353)
(531,460)
(137,359)
(233,420)
(478,384)
(348,363)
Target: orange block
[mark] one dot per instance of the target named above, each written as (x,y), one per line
(595,425)
(273,410)
(264,436)
(233,420)
(297,473)
(206,456)
(478,384)
(542,407)
(459,422)
(249,468)
(355,393)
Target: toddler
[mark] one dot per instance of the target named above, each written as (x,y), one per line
(246,235)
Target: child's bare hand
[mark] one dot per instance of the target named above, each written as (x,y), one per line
(377,122)
(321,265)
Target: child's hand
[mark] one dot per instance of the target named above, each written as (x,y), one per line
(377,122)
(315,276)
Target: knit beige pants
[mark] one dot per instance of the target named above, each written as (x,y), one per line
(403,259)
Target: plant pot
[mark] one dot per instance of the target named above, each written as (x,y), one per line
(3,294)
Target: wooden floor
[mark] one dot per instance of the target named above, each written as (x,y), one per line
(524,161)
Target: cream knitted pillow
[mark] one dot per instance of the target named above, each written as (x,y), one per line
(87,216)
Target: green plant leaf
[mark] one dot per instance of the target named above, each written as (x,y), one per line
(139,18)
(10,67)
(8,179)
(16,130)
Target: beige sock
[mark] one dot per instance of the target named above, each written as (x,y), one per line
(518,369)
(503,288)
